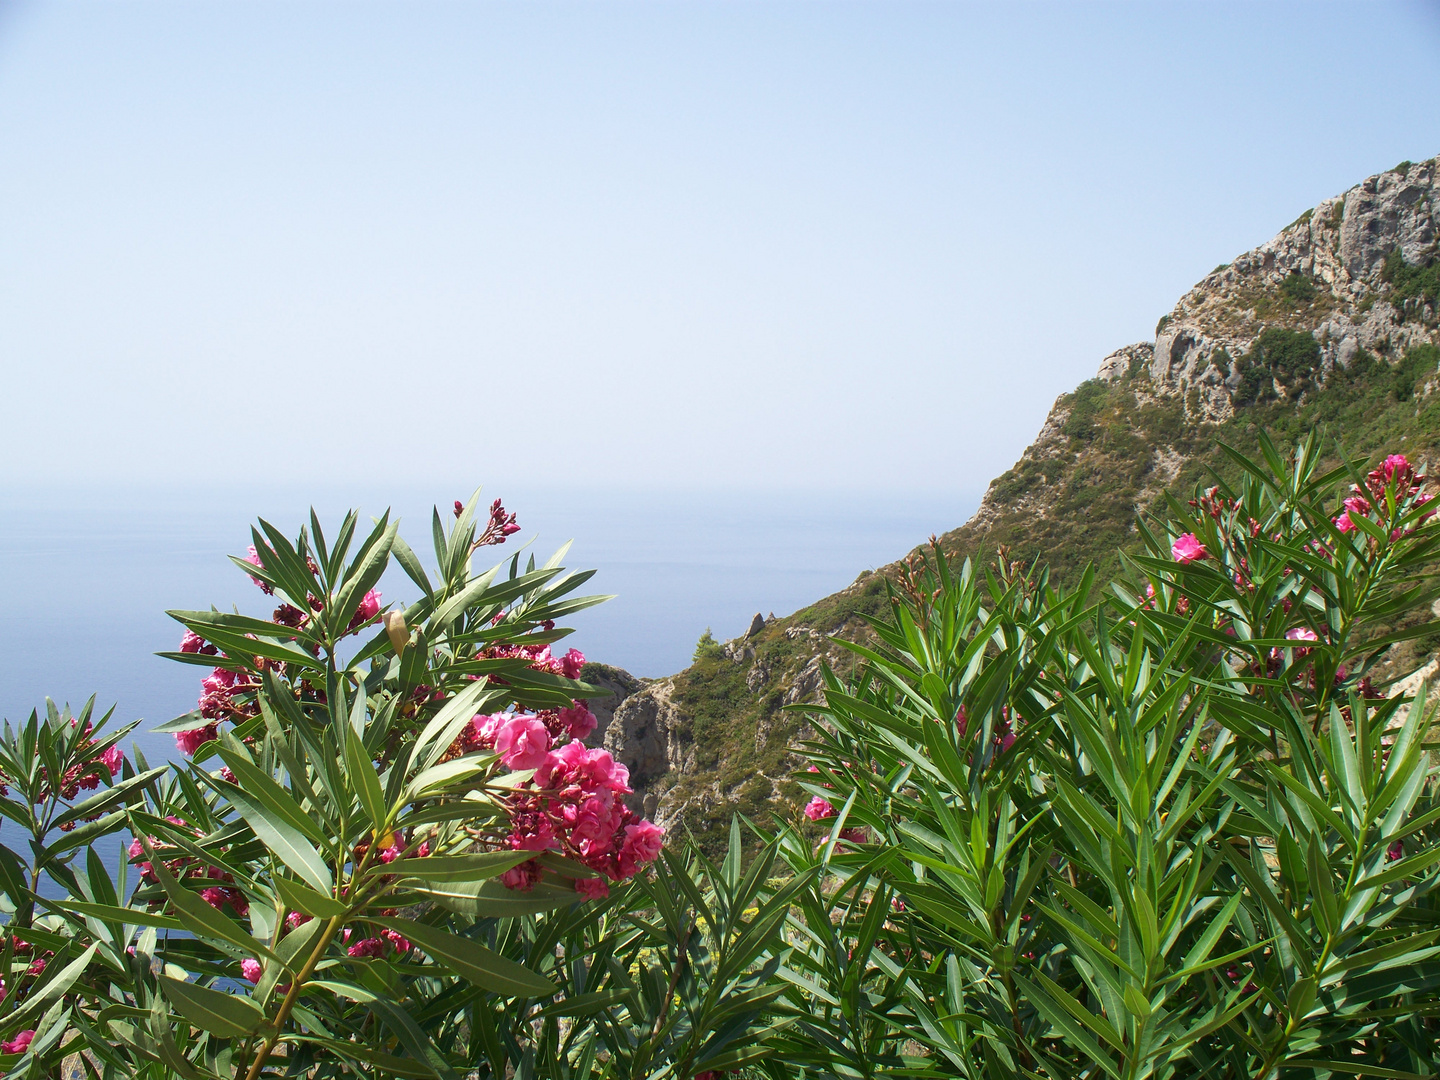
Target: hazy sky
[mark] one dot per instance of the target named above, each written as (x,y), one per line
(683,245)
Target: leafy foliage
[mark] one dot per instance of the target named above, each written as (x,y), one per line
(1167,828)
(1207,847)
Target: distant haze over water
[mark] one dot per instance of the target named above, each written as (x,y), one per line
(86,577)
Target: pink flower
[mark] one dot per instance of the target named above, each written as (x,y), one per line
(1188,549)
(112,759)
(1344,524)
(19,1044)
(1357,504)
(190,741)
(571,663)
(1395,851)
(368,609)
(296,918)
(856,835)
(578,719)
(521,878)
(370,946)
(592,888)
(523,743)
(537,835)
(818,808)
(194,643)
(218,897)
(961,722)
(643,840)
(253,558)
(397,940)
(250,969)
(1393,466)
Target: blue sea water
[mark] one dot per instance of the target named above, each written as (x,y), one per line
(87,575)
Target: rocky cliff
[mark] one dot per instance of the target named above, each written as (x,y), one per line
(1330,325)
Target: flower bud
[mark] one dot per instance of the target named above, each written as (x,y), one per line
(398,632)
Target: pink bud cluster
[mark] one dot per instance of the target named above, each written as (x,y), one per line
(1004,736)
(82,777)
(497,528)
(224,694)
(1395,474)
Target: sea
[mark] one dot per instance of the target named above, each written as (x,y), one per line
(88,573)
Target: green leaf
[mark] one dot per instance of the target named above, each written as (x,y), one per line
(364,780)
(343,987)
(491,899)
(300,897)
(54,988)
(103,800)
(285,841)
(260,784)
(226,1015)
(415,1039)
(460,868)
(106,913)
(199,917)
(472,961)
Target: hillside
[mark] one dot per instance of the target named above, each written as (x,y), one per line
(1332,325)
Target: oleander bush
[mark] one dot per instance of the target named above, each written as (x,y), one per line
(1172,829)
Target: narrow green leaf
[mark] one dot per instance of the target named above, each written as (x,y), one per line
(363,779)
(472,961)
(460,868)
(285,841)
(300,897)
(229,1016)
(131,916)
(263,787)
(199,917)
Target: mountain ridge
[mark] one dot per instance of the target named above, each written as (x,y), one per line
(1332,324)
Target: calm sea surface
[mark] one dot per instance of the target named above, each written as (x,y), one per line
(86,576)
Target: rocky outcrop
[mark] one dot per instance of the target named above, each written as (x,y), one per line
(649,735)
(1324,275)
(617,685)
(1338,251)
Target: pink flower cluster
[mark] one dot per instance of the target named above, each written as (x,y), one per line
(574,805)
(222,692)
(86,775)
(541,659)
(221,894)
(1395,474)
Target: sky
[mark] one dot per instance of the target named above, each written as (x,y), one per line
(700,246)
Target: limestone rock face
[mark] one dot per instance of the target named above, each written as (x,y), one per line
(618,685)
(1340,247)
(650,736)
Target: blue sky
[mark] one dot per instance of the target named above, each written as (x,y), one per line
(756,246)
